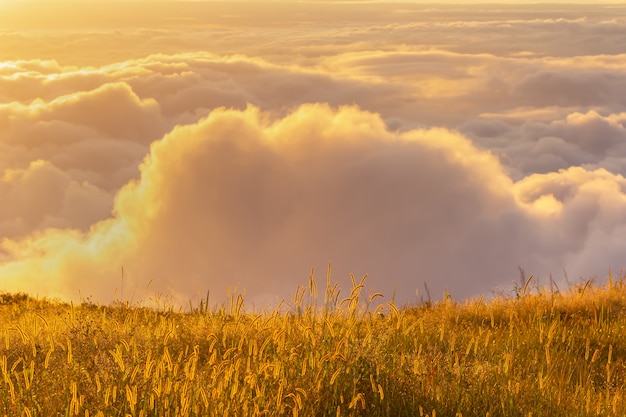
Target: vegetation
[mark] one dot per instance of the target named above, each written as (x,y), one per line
(540,353)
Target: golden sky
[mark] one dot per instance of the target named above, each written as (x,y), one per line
(210,145)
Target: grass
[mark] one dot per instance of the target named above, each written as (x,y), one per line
(535,354)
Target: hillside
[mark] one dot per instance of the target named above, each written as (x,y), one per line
(536,353)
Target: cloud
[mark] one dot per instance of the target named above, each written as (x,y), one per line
(43,196)
(246,199)
(112,109)
(314,187)
(583,214)
(590,139)
(88,142)
(453,143)
(577,87)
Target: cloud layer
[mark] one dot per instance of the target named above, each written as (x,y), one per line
(384,142)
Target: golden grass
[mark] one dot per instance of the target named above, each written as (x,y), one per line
(540,354)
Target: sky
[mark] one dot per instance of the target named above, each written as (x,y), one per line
(157,150)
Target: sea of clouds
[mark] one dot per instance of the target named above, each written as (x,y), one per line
(207,146)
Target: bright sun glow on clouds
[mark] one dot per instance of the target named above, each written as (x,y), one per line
(207,145)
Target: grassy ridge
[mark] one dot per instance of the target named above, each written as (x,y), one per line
(539,354)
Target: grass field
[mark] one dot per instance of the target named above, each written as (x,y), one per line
(534,353)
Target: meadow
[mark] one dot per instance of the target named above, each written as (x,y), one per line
(534,352)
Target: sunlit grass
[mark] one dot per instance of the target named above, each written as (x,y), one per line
(538,353)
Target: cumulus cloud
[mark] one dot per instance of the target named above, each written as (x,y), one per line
(63,159)
(58,201)
(112,109)
(588,139)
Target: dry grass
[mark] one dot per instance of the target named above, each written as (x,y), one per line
(540,354)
